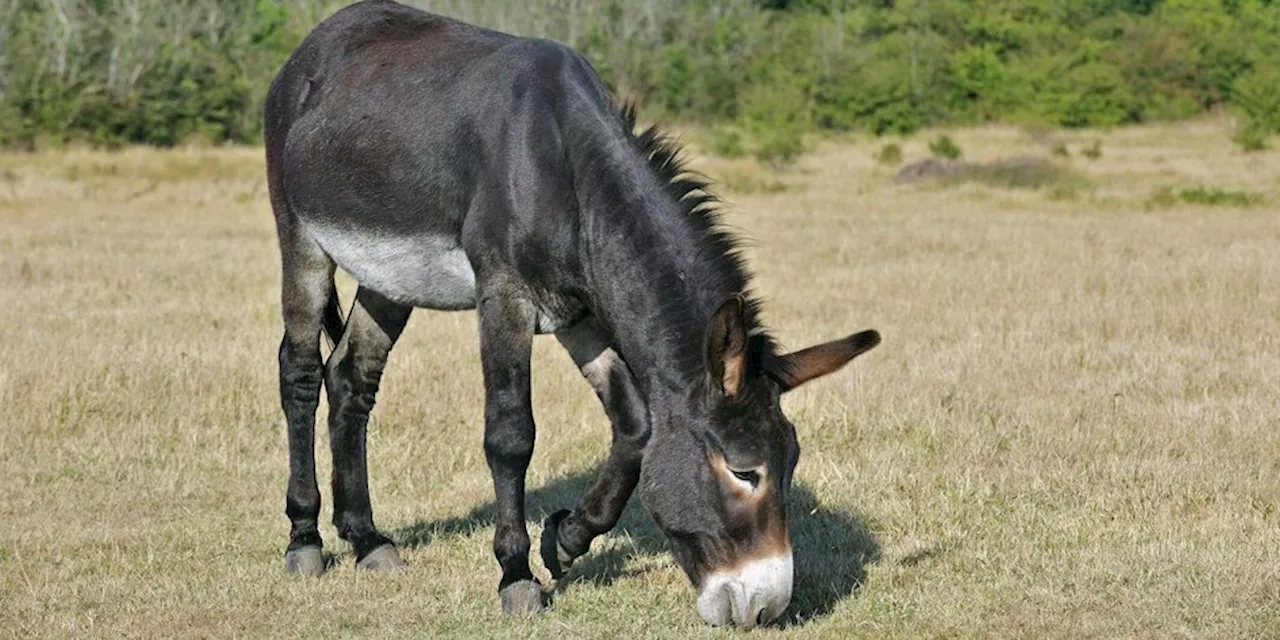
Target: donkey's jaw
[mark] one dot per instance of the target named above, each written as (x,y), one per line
(754,593)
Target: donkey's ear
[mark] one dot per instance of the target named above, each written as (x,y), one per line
(795,369)
(727,347)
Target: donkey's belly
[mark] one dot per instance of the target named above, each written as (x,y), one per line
(430,272)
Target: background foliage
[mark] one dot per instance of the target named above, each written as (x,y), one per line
(164,72)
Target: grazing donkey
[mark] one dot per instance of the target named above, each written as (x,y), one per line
(451,167)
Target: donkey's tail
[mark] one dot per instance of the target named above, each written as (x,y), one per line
(333,323)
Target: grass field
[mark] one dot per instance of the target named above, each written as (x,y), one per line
(1072,428)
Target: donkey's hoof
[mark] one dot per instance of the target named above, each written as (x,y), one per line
(554,557)
(523,598)
(384,558)
(304,561)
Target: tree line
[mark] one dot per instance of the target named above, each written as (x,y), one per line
(762,72)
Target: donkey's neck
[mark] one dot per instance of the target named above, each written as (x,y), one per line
(657,269)
(646,287)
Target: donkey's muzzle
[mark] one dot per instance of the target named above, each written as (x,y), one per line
(753,593)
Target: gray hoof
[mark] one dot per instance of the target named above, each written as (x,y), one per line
(523,598)
(554,556)
(304,561)
(384,558)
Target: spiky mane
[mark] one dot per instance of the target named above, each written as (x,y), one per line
(720,247)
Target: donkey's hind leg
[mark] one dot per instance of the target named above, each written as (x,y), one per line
(352,375)
(308,301)
(568,535)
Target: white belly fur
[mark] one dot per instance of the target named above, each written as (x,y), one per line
(429,272)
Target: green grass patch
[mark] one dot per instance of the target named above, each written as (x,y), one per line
(1022,173)
(777,146)
(749,183)
(1168,197)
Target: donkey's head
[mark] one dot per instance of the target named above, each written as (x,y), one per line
(717,471)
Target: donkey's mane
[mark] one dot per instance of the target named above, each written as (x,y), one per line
(720,248)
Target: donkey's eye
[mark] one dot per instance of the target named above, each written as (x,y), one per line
(750,477)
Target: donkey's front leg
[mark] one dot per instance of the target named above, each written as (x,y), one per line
(568,534)
(506,339)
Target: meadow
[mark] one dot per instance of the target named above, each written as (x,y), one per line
(1071,429)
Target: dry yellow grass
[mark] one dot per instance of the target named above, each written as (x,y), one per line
(1072,428)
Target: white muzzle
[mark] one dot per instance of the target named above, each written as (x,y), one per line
(753,594)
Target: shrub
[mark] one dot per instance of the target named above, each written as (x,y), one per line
(1093,151)
(982,87)
(944,147)
(877,87)
(1095,94)
(1250,137)
(890,154)
(727,142)
(1257,95)
(779,146)
(90,70)
(776,118)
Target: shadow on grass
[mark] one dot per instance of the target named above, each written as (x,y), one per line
(600,567)
(832,548)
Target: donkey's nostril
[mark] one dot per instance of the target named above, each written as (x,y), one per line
(715,605)
(768,612)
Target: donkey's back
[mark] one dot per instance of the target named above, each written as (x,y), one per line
(389,126)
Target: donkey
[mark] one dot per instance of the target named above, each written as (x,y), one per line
(451,167)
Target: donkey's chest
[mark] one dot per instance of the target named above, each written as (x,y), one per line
(426,271)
